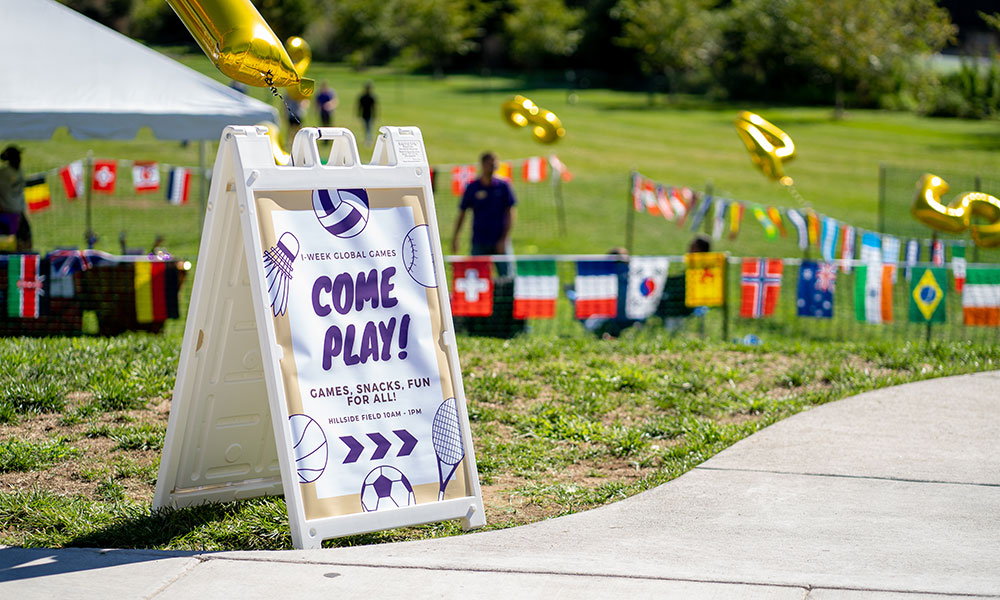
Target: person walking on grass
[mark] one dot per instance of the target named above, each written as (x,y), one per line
(12,203)
(492,203)
(367,110)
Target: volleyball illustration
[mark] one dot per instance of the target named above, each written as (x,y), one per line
(417,256)
(386,487)
(344,213)
(310,447)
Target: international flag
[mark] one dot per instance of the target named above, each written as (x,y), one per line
(871,248)
(927,295)
(937,253)
(178,186)
(504,171)
(801,227)
(72,179)
(812,219)
(775,215)
(646,278)
(981,297)
(535,169)
(828,239)
(735,219)
(638,181)
(36,193)
(704,278)
(461,176)
(719,218)
(558,167)
(663,203)
(770,229)
(472,288)
(145,176)
(817,283)
(873,293)
(699,215)
(849,239)
(760,284)
(912,257)
(647,198)
(688,199)
(156,285)
(105,175)
(596,288)
(25,286)
(958,266)
(890,253)
(536,288)
(677,203)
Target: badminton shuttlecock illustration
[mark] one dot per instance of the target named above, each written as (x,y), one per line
(278,262)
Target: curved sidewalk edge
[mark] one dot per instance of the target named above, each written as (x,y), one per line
(890,494)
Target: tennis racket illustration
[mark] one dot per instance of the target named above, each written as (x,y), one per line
(446,436)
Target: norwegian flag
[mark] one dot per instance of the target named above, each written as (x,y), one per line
(760,285)
(558,167)
(24,286)
(145,176)
(178,186)
(534,169)
(105,175)
(472,288)
(72,179)
(461,176)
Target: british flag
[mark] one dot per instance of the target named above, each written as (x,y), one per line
(759,285)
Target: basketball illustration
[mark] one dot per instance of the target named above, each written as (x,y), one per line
(417,256)
(310,447)
(344,213)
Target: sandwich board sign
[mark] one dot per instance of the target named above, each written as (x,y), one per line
(319,357)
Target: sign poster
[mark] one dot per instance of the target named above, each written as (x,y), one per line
(351,287)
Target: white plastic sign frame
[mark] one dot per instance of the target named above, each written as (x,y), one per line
(253,350)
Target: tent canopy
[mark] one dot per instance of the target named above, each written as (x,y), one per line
(63,69)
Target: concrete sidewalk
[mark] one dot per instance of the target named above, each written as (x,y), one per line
(893,494)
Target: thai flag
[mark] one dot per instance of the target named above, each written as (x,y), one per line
(178,186)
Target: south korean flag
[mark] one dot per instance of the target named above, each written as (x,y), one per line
(646,277)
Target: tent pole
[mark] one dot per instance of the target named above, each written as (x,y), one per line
(201,183)
(88,172)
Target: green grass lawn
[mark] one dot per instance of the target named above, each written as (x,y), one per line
(560,422)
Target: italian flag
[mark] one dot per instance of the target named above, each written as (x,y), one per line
(24,286)
(536,288)
(981,297)
(873,293)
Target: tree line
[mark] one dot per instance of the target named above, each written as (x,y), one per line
(848,52)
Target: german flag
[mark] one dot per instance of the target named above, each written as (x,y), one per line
(36,193)
(156,286)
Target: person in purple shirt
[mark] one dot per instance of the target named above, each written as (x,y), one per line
(492,203)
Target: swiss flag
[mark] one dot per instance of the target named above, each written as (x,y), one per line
(105,174)
(145,176)
(461,176)
(472,288)
(534,169)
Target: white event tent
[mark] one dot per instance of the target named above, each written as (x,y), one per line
(61,69)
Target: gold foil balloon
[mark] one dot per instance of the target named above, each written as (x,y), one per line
(769,147)
(301,55)
(522,112)
(239,42)
(277,143)
(957,216)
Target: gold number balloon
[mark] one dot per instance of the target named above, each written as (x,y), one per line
(545,125)
(301,55)
(769,147)
(277,143)
(239,42)
(956,217)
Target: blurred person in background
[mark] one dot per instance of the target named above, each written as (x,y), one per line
(12,203)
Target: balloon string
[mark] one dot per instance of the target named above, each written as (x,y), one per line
(269,80)
(795,194)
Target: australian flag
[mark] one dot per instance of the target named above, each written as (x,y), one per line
(816,284)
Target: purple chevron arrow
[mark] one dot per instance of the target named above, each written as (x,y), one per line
(408,441)
(355,449)
(382,443)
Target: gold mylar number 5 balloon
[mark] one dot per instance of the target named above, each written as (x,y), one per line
(545,125)
(768,146)
(956,217)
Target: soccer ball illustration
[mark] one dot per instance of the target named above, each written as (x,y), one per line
(310,447)
(344,213)
(386,487)
(417,256)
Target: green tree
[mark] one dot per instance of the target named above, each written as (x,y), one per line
(670,37)
(287,17)
(431,32)
(541,28)
(360,31)
(862,41)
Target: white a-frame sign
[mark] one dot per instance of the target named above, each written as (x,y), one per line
(319,357)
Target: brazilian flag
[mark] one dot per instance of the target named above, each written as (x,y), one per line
(927,294)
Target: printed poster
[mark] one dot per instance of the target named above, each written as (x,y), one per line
(352,290)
